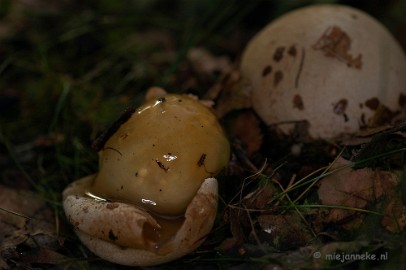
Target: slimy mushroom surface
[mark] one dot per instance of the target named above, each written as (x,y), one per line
(160,156)
(333,67)
(154,198)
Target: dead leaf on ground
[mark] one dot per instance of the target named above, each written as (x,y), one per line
(354,188)
(238,220)
(22,202)
(229,93)
(283,231)
(394,219)
(27,230)
(259,198)
(245,127)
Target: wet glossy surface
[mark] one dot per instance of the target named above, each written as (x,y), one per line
(161,155)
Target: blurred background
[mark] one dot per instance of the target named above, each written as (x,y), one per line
(68,62)
(68,68)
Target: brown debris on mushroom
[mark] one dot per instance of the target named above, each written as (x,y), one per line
(336,43)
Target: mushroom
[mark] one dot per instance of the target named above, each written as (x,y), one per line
(154,198)
(332,67)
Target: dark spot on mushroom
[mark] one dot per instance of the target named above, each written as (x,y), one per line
(112,206)
(292,51)
(278,54)
(361,105)
(402,100)
(160,190)
(354,16)
(99,143)
(336,43)
(86,209)
(277,77)
(162,166)
(112,236)
(363,122)
(340,107)
(201,160)
(267,70)
(122,187)
(179,100)
(136,174)
(298,102)
(372,103)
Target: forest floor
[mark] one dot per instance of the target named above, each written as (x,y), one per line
(69,68)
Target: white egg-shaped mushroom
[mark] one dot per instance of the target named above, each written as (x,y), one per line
(154,198)
(333,67)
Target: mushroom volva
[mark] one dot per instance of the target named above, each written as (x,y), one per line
(332,67)
(154,198)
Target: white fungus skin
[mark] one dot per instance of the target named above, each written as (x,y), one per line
(332,66)
(116,231)
(154,198)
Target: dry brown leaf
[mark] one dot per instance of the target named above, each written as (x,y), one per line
(283,231)
(246,128)
(28,225)
(238,221)
(395,215)
(229,93)
(259,198)
(353,188)
(22,202)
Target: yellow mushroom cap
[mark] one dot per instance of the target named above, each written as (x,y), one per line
(161,155)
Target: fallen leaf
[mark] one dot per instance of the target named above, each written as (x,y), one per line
(394,219)
(238,222)
(245,127)
(353,188)
(27,230)
(283,231)
(259,198)
(229,94)
(23,203)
